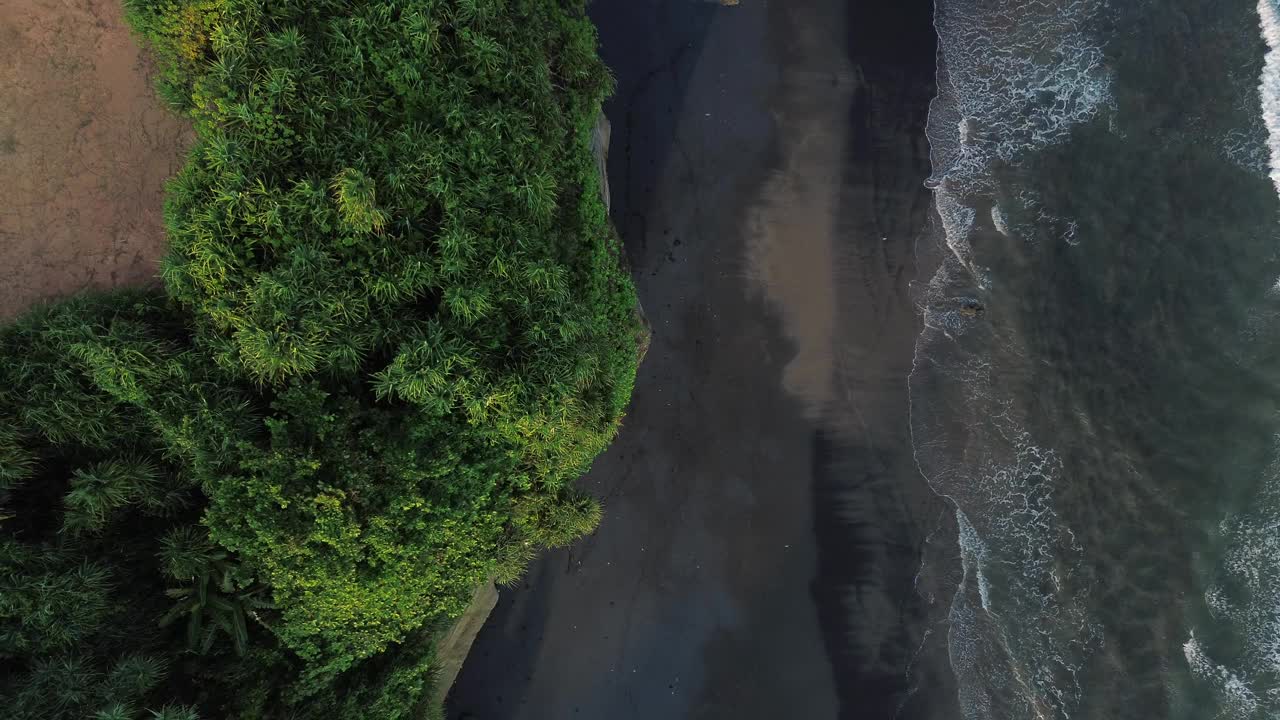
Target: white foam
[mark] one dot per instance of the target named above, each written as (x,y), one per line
(1238,700)
(1020,75)
(1269,85)
(1247,150)
(1246,597)
(998,220)
(1066,229)
(973,555)
(1017,76)
(957,224)
(1024,637)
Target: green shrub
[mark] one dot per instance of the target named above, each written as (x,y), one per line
(87,483)
(65,639)
(391,222)
(368,521)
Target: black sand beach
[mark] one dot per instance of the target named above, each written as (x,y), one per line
(764,518)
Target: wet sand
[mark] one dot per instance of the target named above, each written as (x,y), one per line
(85,149)
(764,519)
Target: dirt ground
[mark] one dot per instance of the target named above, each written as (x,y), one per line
(85,149)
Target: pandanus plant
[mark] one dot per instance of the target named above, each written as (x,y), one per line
(216,600)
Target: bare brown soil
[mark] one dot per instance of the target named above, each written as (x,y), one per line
(85,149)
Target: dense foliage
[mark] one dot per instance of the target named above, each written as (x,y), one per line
(93,482)
(395,329)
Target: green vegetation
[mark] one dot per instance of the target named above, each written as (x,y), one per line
(394,330)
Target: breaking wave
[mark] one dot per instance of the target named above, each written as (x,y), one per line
(1014,77)
(1269,86)
(1242,664)
(1097,292)
(1236,650)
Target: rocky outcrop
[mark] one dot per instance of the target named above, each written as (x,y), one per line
(452,649)
(600,148)
(600,136)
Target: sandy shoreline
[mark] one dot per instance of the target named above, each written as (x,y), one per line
(764,519)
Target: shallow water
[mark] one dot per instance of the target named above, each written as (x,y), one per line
(1095,387)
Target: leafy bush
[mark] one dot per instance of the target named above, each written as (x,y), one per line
(367,521)
(396,328)
(391,220)
(87,481)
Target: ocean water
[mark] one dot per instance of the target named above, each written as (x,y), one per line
(1097,385)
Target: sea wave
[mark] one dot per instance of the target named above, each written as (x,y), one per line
(1014,77)
(1237,651)
(1242,666)
(1016,80)
(1019,76)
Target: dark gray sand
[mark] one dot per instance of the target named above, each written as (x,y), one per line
(764,519)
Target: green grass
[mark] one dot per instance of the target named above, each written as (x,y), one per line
(394,330)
